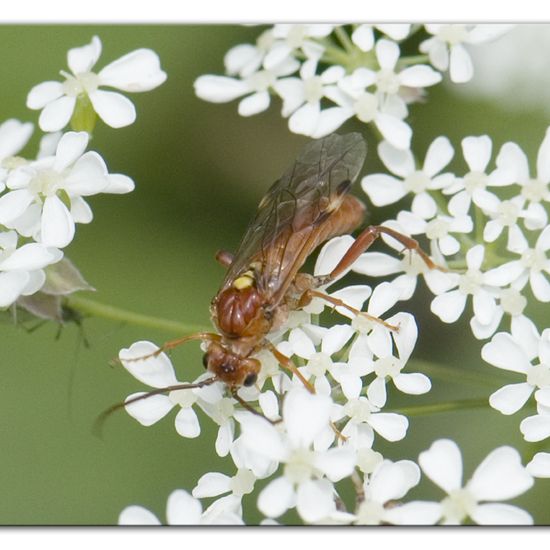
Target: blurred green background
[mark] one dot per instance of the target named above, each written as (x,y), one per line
(200,170)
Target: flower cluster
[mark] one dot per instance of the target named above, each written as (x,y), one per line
(42,199)
(326,74)
(305,433)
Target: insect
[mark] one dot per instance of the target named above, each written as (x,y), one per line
(307,206)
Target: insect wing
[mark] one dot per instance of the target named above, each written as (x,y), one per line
(294,206)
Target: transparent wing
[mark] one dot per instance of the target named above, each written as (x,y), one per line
(277,240)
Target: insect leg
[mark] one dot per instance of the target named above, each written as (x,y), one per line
(251,409)
(364,241)
(286,363)
(171,344)
(224,258)
(336,302)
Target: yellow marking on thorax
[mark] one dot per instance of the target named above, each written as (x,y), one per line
(246,280)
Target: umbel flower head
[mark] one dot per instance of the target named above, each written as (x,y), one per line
(138,71)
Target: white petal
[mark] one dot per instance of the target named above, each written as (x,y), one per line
(57,226)
(225,437)
(504,274)
(442,463)
(501,514)
(460,64)
(315,500)
(414,513)
(387,53)
(376,392)
(536,427)
(336,463)
(393,480)
(399,162)
(43,93)
(119,184)
(383,298)
(336,338)
(149,410)
(262,437)
(304,120)
(412,383)
(13,204)
(391,426)
(82,59)
(70,147)
(56,114)
(539,465)
(405,338)
(419,76)
(29,257)
(12,285)
(477,152)
(154,370)
(87,176)
(424,206)
(379,340)
(212,484)
(449,306)
(540,286)
(305,415)
(363,37)
(183,509)
(302,346)
(383,189)
(331,119)
(13,136)
(512,159)
(276,498)
(137,515)
(254,104)
(510,398)
(81,211)
(492,231)
(219,89)
(377,264)
(500,476)
(484,307)
(354,296)
(505,353)
(187,423)
(330,255)
(113,108)
(137,71)
(394,130)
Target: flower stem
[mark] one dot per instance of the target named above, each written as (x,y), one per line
(91,308)
(459,404)
(458,375)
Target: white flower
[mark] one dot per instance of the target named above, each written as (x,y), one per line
(14,135)
(446,47)
(353,99)
(138,71)
(302,96)
(183,509)
(21,269)
(499,477)
(292,37)
(255,86)
(45,196)
(383,189)
(533,190)
(473,186)
(363,35)
(390,366)
(450,305)
(531,267)
(307,476)
(157,371)
(390,482)
(516,352)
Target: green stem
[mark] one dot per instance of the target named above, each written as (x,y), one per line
(458,375)
(88,307)
(459,404)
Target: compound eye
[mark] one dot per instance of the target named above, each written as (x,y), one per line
(250,380)
(205,360)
